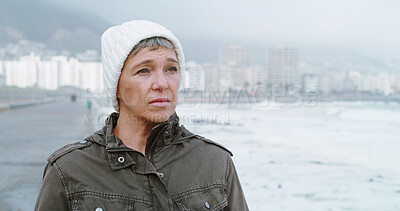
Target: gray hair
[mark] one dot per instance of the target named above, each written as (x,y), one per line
(153,43)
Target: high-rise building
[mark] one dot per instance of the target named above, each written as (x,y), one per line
(310,83)
(194,77)
(354,81)
(283,67)
(260,76)
(48,75)
(2,80)
(338,82)
(234,68)
(325,84)
(211,77)
(395,83)
(234,55)
(23,72)
(91,76)
(51,73)
(2,74)
(376,84)
(383,84)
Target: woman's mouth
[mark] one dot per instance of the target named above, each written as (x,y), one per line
(160,102)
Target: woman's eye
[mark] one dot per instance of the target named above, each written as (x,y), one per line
(172,69)
(143,71)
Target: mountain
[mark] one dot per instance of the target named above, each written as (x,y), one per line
(57,27)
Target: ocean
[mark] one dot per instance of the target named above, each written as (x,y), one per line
(322,156)
(327,156)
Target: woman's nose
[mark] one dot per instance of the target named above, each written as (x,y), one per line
(159,81)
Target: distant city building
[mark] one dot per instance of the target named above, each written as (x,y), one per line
(367,83)
(338,82)
(283,66)
(91,76)
(245,77)
(194,77)
(376,84)
(23,72)
(354,81)
(329,83)
(234,56)
(50,74)
(395,83)
(325,85)
(211,77)
(2,75)
(63,70)
(2,80)
(383,84)
(260,76)
(310,83)
(234,70)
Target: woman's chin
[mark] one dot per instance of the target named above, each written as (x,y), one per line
(157,117)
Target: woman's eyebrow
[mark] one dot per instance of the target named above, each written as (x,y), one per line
(147,61)
(172,60)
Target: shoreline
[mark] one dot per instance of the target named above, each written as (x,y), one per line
(25,103)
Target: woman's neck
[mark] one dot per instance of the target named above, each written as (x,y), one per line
(133,131)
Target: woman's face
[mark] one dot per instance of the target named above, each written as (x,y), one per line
(149,83)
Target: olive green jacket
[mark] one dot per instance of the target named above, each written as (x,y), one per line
(181,171)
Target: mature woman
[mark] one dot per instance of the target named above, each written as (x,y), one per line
(142,159)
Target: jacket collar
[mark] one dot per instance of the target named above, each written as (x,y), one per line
(162,134)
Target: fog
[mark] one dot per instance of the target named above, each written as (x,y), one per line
(367,27)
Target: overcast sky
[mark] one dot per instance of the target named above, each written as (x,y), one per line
(363,26)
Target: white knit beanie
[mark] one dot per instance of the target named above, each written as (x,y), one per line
(118,41)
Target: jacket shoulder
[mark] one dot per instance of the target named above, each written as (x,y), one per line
(209,141)
(205,140)
(67,149)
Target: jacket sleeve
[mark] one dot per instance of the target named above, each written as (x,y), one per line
(236,198)
(52,195)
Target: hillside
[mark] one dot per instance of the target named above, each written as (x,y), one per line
(57,27)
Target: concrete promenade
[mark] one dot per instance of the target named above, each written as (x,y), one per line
(28,136)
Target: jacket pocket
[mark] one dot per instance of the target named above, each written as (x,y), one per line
(211,198)
(94,201)
(90,203)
